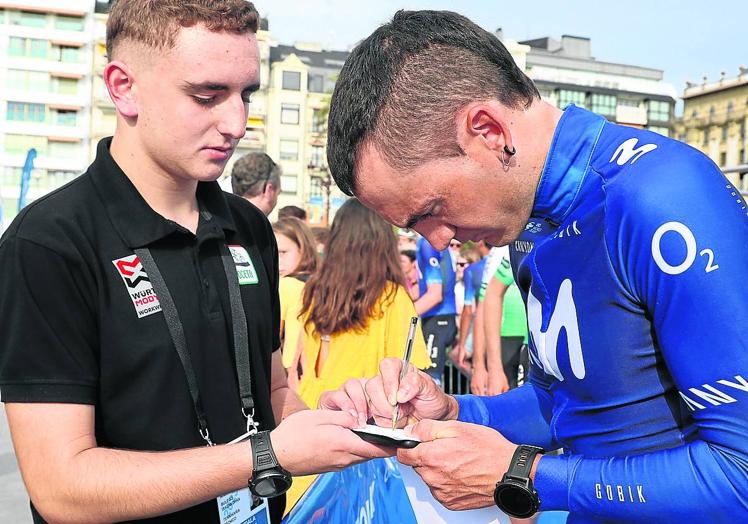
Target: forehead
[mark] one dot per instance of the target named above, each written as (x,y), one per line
(393,194)
(215,56)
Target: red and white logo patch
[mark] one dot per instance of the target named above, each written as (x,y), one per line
(138,285)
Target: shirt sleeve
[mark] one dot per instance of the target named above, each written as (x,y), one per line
(530,406)
(48,350)
(504,271)
(432,273)
(469,297)
(680,249)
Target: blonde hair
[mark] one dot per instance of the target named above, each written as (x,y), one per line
(156,23)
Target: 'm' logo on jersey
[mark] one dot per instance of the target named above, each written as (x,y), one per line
(138,284)
(563,316)
(629,152)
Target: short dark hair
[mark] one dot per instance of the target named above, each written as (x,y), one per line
(251,172)
(416,73)
(410,253)
(291,211)
(157,23)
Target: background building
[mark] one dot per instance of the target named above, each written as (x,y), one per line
(54,99)
(46,76)
(566,73)
(715,117)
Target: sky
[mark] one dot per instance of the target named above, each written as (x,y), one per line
(687,39)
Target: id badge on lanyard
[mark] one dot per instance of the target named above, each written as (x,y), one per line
(241,506)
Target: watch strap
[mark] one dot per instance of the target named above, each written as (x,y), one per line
(263,456)
(522,461)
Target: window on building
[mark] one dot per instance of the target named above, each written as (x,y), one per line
(64,53)
(722,159)
(545,93)
(318,121)
(729,109)
(694,114)
(28,19)
(567,97)
(317,158)
(316,83)
(58,178)
(35,81)
(64,149)
(706,138)
(289,149)
(604,104)
(658,111)
(39,49)
(64,117)
(25,112)
(28,47)
(712,111)
(292,80)
(65,86)
(742,130)
(724,133)
(289,183)
(20,144)
(629,102)
(315,187)
(290,114)
(69,23)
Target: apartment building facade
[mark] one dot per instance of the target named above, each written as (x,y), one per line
(45,73)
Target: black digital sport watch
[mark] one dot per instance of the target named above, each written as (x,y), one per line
(269,479)
(515,494)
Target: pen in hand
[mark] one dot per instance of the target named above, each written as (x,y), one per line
(406,362)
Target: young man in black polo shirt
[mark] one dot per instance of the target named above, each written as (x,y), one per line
(134,299)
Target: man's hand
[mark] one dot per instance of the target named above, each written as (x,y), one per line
(460,462)
(479,380)
(316,441)
(497,383)
(419,397)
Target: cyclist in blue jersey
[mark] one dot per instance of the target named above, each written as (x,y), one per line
(629,249)
(436,302)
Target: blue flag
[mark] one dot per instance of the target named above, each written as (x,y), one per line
(368,493)
(28,166)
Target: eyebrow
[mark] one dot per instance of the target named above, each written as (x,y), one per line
(211,86)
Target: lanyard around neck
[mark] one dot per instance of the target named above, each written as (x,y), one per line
(176,331)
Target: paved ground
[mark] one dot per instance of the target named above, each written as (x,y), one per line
(14,503)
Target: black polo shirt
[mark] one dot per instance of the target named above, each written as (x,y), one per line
(80,322)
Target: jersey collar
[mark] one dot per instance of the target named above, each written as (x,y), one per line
(136,222)
(567,163)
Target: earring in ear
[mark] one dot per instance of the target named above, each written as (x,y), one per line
(506,156)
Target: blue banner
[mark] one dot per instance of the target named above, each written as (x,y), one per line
(369,493)
(26,178)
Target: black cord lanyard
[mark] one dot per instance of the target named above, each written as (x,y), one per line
(176,331)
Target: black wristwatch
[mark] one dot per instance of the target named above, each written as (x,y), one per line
(269,479)
(515,495)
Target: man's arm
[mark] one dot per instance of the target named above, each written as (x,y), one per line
(432,297)
(479,376)
(492,318)
(70,479)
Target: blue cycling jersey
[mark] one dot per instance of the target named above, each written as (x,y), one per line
(472,278)
(632,269)
(435,267)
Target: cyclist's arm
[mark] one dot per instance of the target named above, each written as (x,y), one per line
(689,280)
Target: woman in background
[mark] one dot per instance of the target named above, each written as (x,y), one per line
(356,309)
(297,260)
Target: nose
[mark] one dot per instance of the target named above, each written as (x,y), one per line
(233,118)
(438,235)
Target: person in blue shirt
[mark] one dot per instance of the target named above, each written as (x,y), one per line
(629,249)
(436,302)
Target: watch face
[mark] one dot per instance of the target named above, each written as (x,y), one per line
(515,500)
(270,483)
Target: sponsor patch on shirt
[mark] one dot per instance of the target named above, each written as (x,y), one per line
(138,284)
(245,269)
